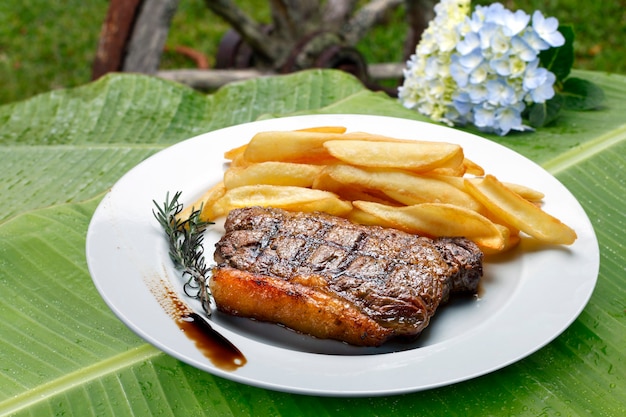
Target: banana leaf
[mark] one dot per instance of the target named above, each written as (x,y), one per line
(63,352)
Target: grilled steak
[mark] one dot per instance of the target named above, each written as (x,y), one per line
(328,277)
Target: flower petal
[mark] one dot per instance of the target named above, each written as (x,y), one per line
(547,29)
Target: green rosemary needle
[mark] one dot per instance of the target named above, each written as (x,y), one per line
(185,238)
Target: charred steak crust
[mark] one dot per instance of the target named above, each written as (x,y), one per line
(325,276)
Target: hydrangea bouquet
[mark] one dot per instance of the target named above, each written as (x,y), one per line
(494,68)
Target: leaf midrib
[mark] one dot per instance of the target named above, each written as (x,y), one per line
(585,151)
(86,146)
(80,377)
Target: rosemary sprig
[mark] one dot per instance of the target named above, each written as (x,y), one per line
(185,237)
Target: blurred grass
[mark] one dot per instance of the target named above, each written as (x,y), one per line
(48,45)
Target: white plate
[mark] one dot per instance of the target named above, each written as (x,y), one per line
(528,296)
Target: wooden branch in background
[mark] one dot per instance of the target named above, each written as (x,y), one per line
(418,14)
(251,31)
(304,34)
(145,48)
(365,18)
(115,32)
(337,12)
(212,79)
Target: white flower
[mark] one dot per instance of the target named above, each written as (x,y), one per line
(469,43)
(482,68)
(500,93)
(545,90)
(522,49)
(420,90)
(548,29)
(514,23)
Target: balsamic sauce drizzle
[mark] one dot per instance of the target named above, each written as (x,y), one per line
(214,346)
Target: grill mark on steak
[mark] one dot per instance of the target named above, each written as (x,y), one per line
(392,282)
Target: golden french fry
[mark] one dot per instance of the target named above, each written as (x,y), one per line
(272,173)
(403,187)
(331,205)
(520,213)
(373,137)
(457,171)
(290,146)
(324,129)
(418,156)
(526,192)
(205,203)
(437,220)
(510,238)
(472,168)
(459,182)
(278,196)
(235,152)
(240,162)
(349,192)
(323,181)
(362,217)
(456,182)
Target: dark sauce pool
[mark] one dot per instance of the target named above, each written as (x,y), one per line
(215,347)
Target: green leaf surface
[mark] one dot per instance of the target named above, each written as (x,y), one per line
(542,114)
(560,60)
(579,94)
(65,353)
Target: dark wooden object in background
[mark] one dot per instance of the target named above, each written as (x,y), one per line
(302,34)
(133,36)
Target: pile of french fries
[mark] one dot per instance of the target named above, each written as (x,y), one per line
(422,187)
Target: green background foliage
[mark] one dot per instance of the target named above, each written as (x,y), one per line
(48,45)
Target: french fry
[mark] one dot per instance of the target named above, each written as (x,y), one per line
(240,162)
(403,187)
(472,168)
(235,152)
(410,155)
(331,205)
(324,181)
(205,203)
(362,217)
(519,212)
(457,171)
(526,192)
(457,182)
(349,192)
(437,220)
(272,173)
(511,240)
(373,137)
(290,146)
(278,196)
(324,129)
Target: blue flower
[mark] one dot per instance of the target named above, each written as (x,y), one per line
(509,118)
(462,104)
(485,117)
(478,93)
(470,43)
(547,29)
(480,68)
(545,90)
(523,49)
(500,93)
(514,23)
